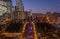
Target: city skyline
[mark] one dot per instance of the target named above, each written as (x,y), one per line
(41,6)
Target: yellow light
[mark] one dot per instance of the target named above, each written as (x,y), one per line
(23,30)
(8,19)
(35,35)
(48,20)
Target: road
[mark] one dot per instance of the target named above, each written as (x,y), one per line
(33,30)
(29,31)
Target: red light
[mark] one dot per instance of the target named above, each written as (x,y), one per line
(31,28)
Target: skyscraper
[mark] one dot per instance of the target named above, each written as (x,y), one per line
(19,5)
(19,9)
(3,7)
(9,5)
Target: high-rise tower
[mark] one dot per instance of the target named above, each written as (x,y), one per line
(9,5)
(19,5)
(19,9)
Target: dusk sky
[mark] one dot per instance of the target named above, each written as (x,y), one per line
(41,6)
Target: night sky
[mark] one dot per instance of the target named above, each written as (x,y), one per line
(41,6)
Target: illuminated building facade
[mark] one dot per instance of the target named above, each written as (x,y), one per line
(19,5)
(19,9)
(3,7)
(9,5)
